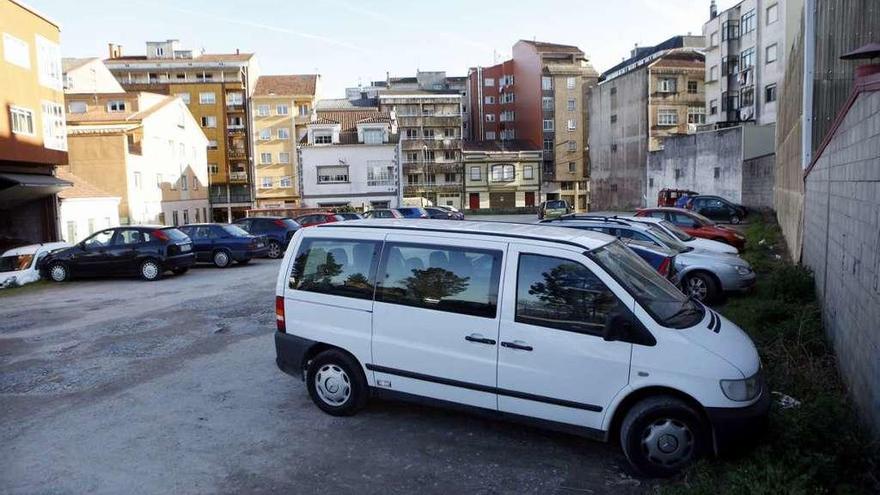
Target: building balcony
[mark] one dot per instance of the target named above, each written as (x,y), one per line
(435,143)
(235,107)
(221,199)
(422,187)
(429,120)
(235,129)
(236,153)
(432,168)
(238,177)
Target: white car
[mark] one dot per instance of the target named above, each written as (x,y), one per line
(18,266)
(563,328)
(689,240)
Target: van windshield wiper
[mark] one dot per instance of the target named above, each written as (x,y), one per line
(686,309)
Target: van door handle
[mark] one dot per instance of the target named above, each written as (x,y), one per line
(517,344)
(475,337)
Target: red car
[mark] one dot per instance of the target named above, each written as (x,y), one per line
(318,219)
(668,197)
(696,225)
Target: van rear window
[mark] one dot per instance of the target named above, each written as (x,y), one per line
(336,266)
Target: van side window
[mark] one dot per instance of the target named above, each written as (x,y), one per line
(559,293)
(458,280)
(335,266)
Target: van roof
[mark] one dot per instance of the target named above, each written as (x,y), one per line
(580,238)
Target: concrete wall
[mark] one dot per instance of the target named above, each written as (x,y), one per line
(757,181)
(841,244)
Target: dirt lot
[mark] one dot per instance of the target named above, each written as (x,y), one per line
(123,386)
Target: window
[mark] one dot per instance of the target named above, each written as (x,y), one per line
(116,106)
(285,181)
(234,99)
(528,172)
(457,280)
(773,13)
(449,132)
(489,100)
(770,93)
(696,115)
(430,178)
(548,144)
(475,173)
(678,173)
(338,267)
(450,178)
(713,39)
(713,73)
(548,125)
(304,111)
(508,97)
(380,173)
(266,183)
(614,148)
(54,130)
(748,96)
(209,121)
(281,110)
(213,169)
(429,155)
(283,133)
(572,124)
(717,172)
(212,144)
(748,21)
(490,135)
(137,180)
(563,294)
(284,157)
(323,139)
(262,110)
(429,133)
(503,173)
(185,97)
(22,120)
(572,167)
(546,83)
(208,98)
(488,81)
(667,85)
(770,54)
(428,110)
(265,158)
(729,30)
(411,133)
(16,51)
(490,117)
(729,65)
(333,174)
(77,107)
(265,134)
(184,185)
(667,116)
(449,155)
(570,82)
(713,107)
(547,103)
(692,87)
(49,63)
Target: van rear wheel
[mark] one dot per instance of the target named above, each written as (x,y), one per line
(662,435)
(336,383)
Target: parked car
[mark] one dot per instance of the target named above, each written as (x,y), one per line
(717,208)
(412,212)
(660,258)
(687,239)
(383,213)
(349,215)
(553,208)
(21,265)
(222,244)
(454,212)
(704,275)
(145,250)
(529,322)
(278,232)
(441,214)
(669,197)
(318,218)
(696,225)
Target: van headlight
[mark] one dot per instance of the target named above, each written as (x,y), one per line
(743,270)
(742,390)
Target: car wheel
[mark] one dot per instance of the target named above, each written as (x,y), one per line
(58,272)
(336,383)
(275,251)
(179,271)
(221,259)
(662,435)
(151,270)
(701,287)
(734,219)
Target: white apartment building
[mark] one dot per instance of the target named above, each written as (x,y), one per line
(88,75)
(350,158)
(745,62)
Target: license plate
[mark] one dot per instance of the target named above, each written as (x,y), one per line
(185,248)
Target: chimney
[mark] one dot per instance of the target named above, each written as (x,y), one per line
(713,10)
(115,50)
(236,51)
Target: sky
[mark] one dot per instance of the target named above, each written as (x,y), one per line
(348,42)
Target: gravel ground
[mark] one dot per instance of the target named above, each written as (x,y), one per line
(123,386)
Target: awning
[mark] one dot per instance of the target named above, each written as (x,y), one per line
(16,189)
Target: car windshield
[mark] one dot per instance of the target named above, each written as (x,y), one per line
(658,296)
(15,262)
(677,232)
(175,234)
(669,240)
(556,204)
(235,230)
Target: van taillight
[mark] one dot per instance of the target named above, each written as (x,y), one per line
(279,314)
(664,267)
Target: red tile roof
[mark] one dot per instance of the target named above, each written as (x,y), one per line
(294,84)
(552,47)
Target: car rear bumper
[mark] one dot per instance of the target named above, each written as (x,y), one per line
(180,261)
(290,352)
(735,428)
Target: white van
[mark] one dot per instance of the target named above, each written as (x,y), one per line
(558,327)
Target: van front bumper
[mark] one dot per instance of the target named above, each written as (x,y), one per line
(290,352)
(735,428)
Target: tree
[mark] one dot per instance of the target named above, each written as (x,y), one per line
(434,283)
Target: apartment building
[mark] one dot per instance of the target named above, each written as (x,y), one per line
(502,174)
(540,95)
(350,156)
(745,62)
(88,75)
(32,135)
(282,107)
(217,88)
(657,93)
(146,149)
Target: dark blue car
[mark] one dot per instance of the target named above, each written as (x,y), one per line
(222,244)
(661,258)
(278,231)
(412,212)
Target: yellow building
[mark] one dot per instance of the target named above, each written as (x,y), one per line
(32,134)
(217,89)
(282,106)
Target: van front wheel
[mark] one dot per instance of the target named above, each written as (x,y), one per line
(662,435)
(336,383)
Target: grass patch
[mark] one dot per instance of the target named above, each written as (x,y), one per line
(23,289)
(818,446)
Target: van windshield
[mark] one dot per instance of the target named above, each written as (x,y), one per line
(658,296)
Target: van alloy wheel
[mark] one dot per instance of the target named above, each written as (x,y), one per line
(58,272)
(274,250)
(150,270)
(333,385)
(668,442)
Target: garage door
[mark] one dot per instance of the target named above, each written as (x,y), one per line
(502,200)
